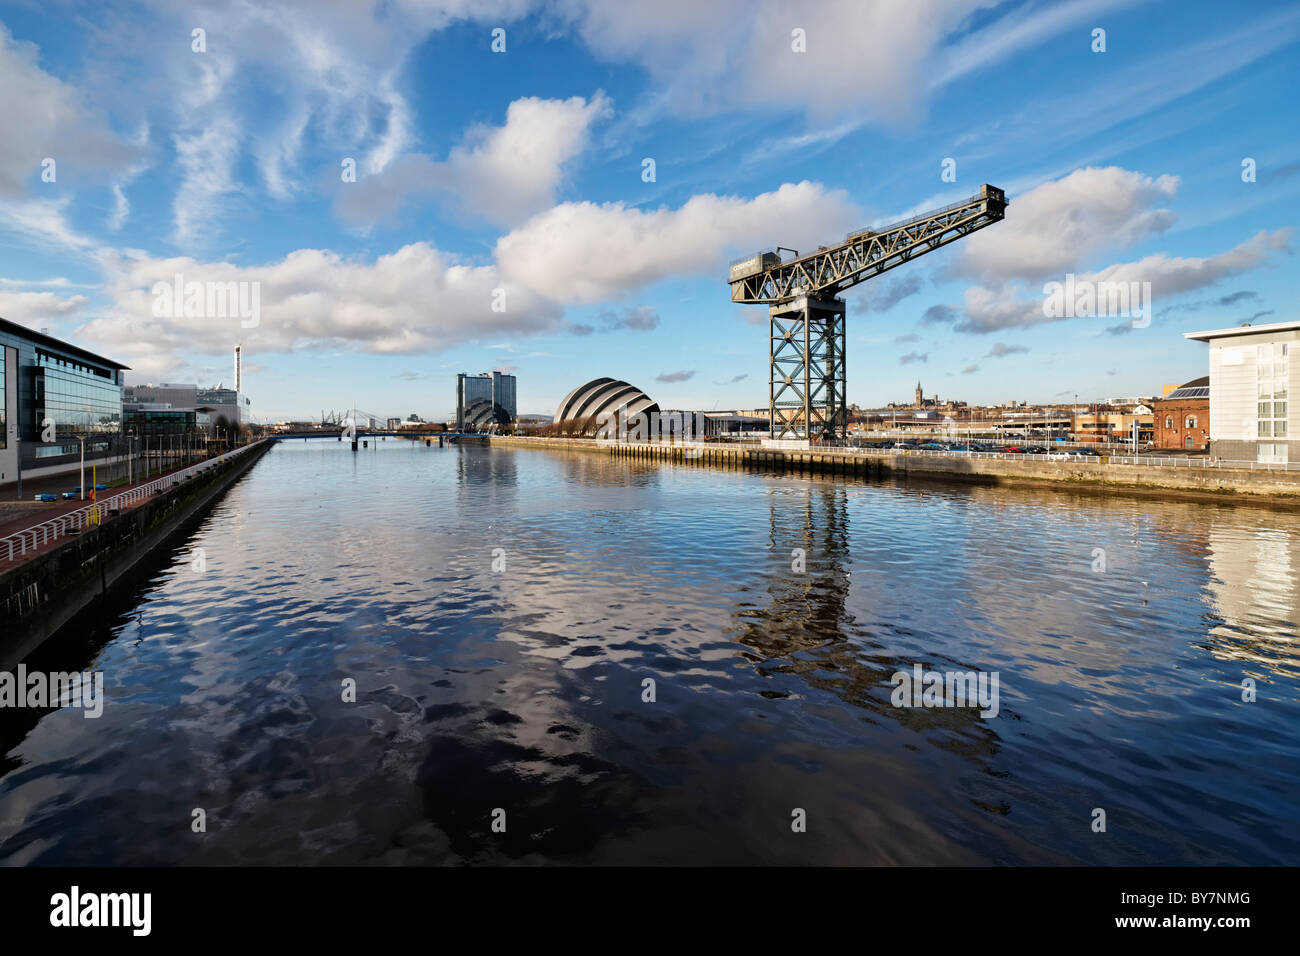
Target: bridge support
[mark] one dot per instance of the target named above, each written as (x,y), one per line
(806,361)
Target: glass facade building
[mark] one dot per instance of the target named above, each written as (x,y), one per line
(52,394)
(76,397)
(496,390)
(168,422)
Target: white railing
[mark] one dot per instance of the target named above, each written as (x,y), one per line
(1171,461)
(1204,463)
(16,544)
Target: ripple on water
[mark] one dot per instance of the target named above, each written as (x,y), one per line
(499,613)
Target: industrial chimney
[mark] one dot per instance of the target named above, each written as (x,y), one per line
(237,370)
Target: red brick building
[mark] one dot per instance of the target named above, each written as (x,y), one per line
(1182,418)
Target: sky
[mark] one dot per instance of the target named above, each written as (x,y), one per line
(407,189)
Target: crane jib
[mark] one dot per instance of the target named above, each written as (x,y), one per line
(764,278)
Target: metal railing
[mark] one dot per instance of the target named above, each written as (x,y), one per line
(1102,459)
(16,545)
(1174,462)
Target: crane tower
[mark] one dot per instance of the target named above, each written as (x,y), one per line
(806,311)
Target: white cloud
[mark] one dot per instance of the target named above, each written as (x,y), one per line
(510,172)
(584,252)
(414,300)
(1020,28)
(1053,228)
(501,174)
(32,308)
(1173,275)
(42,221)
(121,208)
(207,161)
(419,298)
(872,57)
(987,310)
(54,282)
(274,77)
(41,117)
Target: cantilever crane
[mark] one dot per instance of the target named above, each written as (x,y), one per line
(806,355)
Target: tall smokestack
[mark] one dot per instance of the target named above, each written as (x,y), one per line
(237,369)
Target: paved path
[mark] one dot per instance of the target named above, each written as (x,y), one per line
(20,515)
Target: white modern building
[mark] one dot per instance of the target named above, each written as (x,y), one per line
(1250,385)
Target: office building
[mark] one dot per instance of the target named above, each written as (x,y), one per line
(222,407)
(1250,386)
(223,403)
(163,421)
(488,398)
(52,396)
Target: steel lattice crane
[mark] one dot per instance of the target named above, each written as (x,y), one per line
(806,355)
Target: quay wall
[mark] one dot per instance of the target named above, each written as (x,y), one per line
(1187,483)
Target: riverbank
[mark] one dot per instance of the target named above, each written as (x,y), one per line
(1218,484)
(42,593)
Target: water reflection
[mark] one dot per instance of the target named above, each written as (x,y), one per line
(804,626)
(524,688)
(1252,589)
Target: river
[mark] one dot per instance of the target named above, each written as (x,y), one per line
(500,613)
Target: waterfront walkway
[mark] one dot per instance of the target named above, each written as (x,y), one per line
(18,516)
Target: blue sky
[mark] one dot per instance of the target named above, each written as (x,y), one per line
(515,179)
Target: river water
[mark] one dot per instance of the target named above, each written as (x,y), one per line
(500,612)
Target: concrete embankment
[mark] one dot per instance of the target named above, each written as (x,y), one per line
(40,595)
(1275,488)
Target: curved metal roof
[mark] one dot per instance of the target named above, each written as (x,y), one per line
(603,396)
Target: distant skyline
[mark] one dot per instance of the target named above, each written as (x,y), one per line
(567,208)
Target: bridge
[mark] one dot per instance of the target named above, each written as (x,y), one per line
(366,433)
